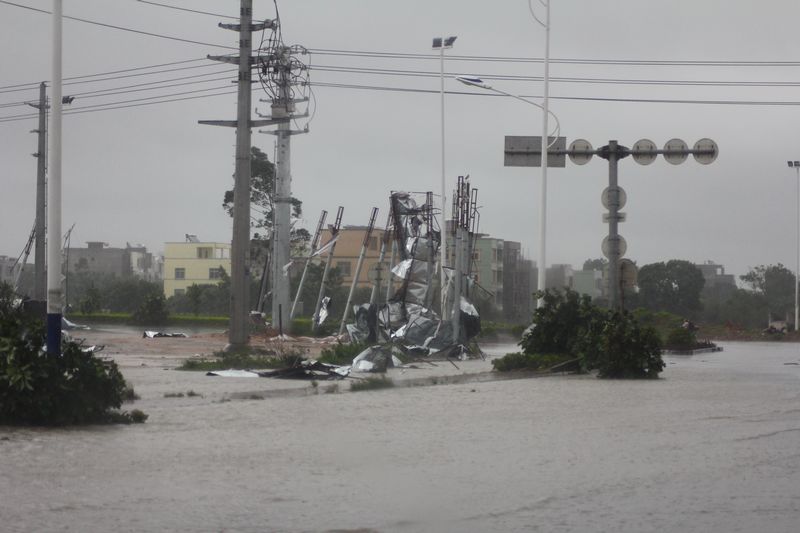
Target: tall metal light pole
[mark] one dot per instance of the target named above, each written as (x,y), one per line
(54,295)
(543,194)
(796,166)
(440,43)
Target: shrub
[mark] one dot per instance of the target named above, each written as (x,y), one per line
(152,311)
(372,383)
(681,339)
(341,353)
(523,361)
(613,343)
(618,347)
(39,388)
(559,323)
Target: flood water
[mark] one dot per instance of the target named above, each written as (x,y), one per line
(714,446)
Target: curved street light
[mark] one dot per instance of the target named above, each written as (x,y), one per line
(477,82)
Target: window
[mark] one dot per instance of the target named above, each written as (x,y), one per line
(373,243)
(215,273)
(476,255)
(204,252)
(178,292)
(180,273)
(344,268)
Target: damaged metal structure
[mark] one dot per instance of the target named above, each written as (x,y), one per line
(407,321)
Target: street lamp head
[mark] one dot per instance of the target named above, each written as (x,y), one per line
(790,163)
(797,163)
(444,42)
(473,81)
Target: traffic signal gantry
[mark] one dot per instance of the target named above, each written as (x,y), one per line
(526,151)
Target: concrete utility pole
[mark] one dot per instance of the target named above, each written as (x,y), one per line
(40,272)
(54,295)
(240,246)
(282,107)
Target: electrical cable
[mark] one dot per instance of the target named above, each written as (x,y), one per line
(121,28)
(187,10)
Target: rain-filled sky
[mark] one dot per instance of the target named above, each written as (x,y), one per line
(138,168)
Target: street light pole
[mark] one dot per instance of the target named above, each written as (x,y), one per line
(543,194)
(441,43)
(796,166)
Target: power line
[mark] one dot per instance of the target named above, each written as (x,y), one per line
(27,86)
(187,10)
(576,61)
(148,86)
(510,77)
(121,28)
(574,98)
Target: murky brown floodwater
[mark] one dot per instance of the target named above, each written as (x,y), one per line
(712,447)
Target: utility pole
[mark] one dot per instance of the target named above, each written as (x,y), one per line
(240,245)
(40,272)
(280,60)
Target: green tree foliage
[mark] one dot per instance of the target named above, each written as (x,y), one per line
(595,264)
(559,323)
(776,284)
(153,311)
(674,286)
(618,347)
(105,292)
(37,388)
(612,343)
(262,196)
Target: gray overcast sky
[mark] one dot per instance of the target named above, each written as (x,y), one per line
(149,174)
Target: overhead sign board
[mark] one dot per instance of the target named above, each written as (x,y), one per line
(524,151)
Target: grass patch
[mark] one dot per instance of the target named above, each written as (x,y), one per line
(372,383)
(340,353)
(522,361)
(243,361)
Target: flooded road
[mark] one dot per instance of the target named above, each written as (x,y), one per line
(712,447)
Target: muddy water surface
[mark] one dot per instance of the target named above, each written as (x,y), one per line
(712,447)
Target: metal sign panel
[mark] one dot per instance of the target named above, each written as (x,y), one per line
(580,151)
(676,151)
(643,151)
(524,151)
(611,196)
(709,147)
(609,250)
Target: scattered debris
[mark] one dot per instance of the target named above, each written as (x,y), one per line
(158,334)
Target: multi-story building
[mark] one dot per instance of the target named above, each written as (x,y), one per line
(99,258)
(194,263)
(7,270)
(348,250)
(589,282)
(487,267)
(558,276)
(715,276)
